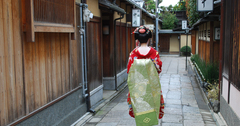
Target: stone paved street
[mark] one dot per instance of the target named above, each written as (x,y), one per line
(184,104)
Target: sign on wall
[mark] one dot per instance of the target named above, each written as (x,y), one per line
(205,5)
(136,17)
(217,34)
(184,24)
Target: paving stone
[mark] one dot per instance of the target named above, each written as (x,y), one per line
(171,118)
(121,107)
(190,109)
(193,123)
(174,93)
(165,89)
(107,124)
(175,76)
(169,96)
(174,87)
(181,107)
(90,125)
(113,114)
(173,106)
(164,82)
(187,97)
(172,124)
(95,120)
(175,83)
(190,116)
(176,111)
(187,91)
(190,103)
(174,79)
(173,101)
(109,120)
(127,122)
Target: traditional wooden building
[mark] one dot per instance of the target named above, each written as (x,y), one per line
(229,62)
(112,25)
(172,40)
(54,64)
(217,39)
(40,78)
(206,35)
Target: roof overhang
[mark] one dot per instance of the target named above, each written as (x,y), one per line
(111,6)
(205,19)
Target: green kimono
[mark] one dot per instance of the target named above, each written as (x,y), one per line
(145,91)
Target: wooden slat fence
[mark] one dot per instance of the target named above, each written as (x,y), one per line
(52,11)
(11,70)
(94,53)
(121,46)
(46,69)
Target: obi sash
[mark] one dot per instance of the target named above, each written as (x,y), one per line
(145,91)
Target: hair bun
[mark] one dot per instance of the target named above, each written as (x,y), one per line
(142,33)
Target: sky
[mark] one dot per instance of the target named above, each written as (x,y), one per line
(169,2)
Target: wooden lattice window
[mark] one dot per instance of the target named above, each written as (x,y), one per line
(49,16)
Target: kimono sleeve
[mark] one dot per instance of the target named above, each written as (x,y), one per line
(158,63)
(130,61)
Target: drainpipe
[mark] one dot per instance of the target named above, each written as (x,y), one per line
(115,58)
(84,60)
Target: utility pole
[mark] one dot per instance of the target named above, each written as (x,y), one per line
(156,25)
(187,31)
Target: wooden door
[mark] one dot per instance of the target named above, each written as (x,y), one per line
(164,42)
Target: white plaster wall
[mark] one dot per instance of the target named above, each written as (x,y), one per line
(225,88)
(174,43)
(93,7)
(235,100)
(183,40)
(123,6)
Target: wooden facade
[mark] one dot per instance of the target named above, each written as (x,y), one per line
(164,42)
(231,39)
(208,46)
(125,43)
(94,53)
(193,42)
(121,47)
(229,71)
(40,56)
(48,16)
(33,75)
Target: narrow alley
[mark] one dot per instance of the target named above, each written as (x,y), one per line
(184,104)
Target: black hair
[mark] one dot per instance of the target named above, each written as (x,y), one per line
(143,36)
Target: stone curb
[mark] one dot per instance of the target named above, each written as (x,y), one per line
(88,116)
(216,116)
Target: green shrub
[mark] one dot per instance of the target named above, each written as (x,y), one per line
(210,71)
(183,49)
